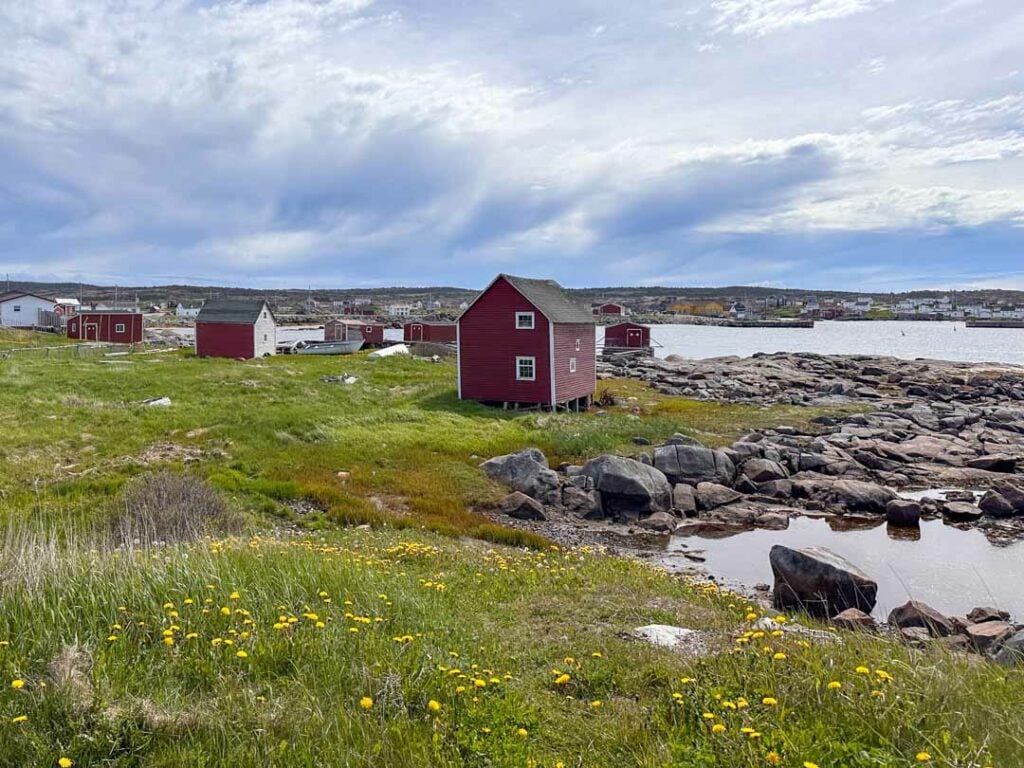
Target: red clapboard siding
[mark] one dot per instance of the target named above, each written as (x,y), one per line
(439,333)
(489,343)
(103,326)
(225,340)
(568,385)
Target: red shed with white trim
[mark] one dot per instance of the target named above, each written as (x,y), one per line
(372,334)
(438,333)
(114,326)
(611,309)
(627,336)
(524,341)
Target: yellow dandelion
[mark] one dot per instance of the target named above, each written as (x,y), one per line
(522,733)
(780,656)
(17,684)
(863,671)
(366,702)
(65,762)
(718,728)
(19,719)
(922,757)
(562,679)
(769,701)
(773,758)
(595,704)
(242,655)
(809,764)
(835,685)
(434,706)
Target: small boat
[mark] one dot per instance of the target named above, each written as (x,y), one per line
(326,347)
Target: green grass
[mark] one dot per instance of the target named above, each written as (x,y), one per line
(11,338)
(84,627)
(270,431)
(86,633)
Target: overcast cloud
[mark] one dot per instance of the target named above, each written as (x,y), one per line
(861,144)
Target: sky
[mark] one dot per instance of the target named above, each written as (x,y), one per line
(873,145)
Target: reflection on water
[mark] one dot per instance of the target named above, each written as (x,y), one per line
(949,568)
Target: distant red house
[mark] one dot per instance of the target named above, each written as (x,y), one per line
(524,341)
(114,326)
(347,330)
(242,328)
(611,309)
(439,333)
(627,336)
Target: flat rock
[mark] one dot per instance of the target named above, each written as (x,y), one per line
(712,495)
(662,522)
(854,619)
(989,634)
(763,470)
(961,511)
(522,507)
(694,464)
(858,496)
(985,613)
(819,581)
(915,636)
(917,614)
(664,635)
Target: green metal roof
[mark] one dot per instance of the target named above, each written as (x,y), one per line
(237,311)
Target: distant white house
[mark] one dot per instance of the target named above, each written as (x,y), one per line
(19,309)
(190,312)
(400,310)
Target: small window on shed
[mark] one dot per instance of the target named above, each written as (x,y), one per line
(524,321)
(526,368)
(572,365)
(577,345)
(119,328)
(17,307)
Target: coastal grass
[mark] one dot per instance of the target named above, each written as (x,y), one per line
(396,446)
(385,648)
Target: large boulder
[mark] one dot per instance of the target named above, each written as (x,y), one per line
(763,470)
(684,499)
(712,495)
(859,496)
(578,502)
(903,512)
(917,614)
(1004,500)
(694,464)
(527,472)
(628,489)
(522,507)
(819,581)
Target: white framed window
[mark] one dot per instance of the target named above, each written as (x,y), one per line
(119,328)
(17,308)
(577,345)
(526,369)
(525,321)
(572,365)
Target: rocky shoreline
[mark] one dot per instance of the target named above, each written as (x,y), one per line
(912,425)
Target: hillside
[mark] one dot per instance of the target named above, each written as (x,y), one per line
(287,636)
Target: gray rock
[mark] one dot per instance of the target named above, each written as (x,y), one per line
(628,489)
(712,495)
(985,613)
(579,502)
(858,496)
(903,512)
(989,634)
(694,464)
(961,511)
(1012,650)
(522,507)
(763,470)
(662,522)
(527,472)
(915,636)
(681,439)
(684,499)
(854,619)
(995,504)
(819,581)
(772,521)
(995,463)
(921,615)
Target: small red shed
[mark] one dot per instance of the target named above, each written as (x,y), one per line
(114,326)
(372,334)
(611,309)
(243,328)
(627,336)
(438,333)
(524,341)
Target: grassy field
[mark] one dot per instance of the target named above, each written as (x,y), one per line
(418,641)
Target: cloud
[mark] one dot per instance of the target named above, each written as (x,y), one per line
(355,142)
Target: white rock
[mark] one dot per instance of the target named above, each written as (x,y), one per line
(394,349)
(664,635)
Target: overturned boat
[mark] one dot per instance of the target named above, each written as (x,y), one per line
(326,347)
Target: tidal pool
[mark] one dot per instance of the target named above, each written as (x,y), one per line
(951,569)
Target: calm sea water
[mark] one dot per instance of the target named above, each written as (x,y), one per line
(951,569)
(909,340)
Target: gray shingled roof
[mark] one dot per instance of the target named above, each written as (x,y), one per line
(551,299)
(240,311)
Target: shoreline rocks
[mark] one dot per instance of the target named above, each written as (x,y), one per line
(819,582)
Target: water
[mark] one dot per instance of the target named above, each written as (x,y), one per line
(908,340)
(951,569)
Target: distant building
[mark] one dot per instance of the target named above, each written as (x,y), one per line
(699,309)
(400,310)
(20,309)
(372,334)
(189,312)
(611,308)
(243,328)
(66,307)
(114,326)
(439,333)
(524,341)
(627,336)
